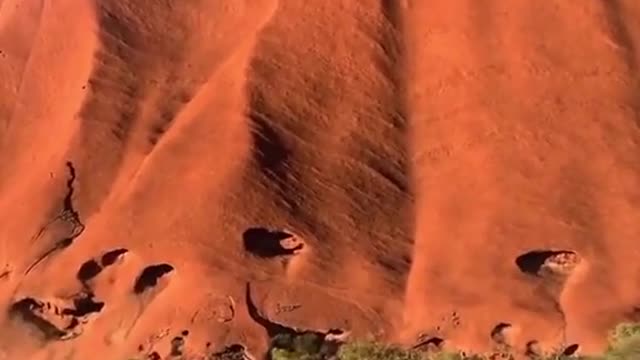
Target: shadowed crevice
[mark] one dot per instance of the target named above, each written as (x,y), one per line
(84,305)
(88,271)
(431,343)
(265,243)
(150,277)
(54,322)
(533,262)
(26,310)
(110,257)
(571,350)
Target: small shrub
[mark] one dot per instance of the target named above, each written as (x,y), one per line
(624,332)
(282,354)
(372,351)
(624,342)
(305,346)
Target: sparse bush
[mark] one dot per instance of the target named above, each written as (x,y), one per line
(624,342)
(373,351)
(305,346)
(376,351)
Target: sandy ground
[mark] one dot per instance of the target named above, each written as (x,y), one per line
(464,171)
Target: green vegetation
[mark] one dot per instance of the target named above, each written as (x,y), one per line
(306,346)
(372,351)
(624,344)
(311,346)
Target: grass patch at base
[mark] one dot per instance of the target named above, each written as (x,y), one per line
(624,344)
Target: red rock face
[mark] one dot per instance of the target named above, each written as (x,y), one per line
(446,175)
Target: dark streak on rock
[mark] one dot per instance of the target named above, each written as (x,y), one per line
(282,335)
(69,214)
